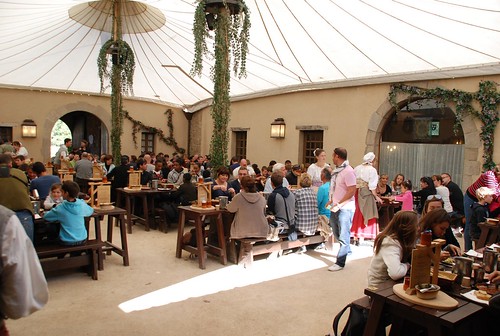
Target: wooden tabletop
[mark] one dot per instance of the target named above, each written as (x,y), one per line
(385,301)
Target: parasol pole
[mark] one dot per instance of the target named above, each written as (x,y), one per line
(116,87)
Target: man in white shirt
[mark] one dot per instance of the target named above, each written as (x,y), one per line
(243,163)
(278,167)
(62,153)
(175,175)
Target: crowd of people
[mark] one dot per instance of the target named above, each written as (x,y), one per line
(333,199)
(356,193)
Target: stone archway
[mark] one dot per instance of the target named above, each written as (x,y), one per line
(472,164)
(69,112)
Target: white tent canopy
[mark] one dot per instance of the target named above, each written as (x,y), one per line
(53,44)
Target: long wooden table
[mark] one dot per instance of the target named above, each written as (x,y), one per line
(109,246)
(147,198)
(386,304)
(198,214)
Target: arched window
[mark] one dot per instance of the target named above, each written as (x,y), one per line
(419,140)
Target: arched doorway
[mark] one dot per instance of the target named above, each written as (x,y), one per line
(59,132)
(85,125)
(420,140)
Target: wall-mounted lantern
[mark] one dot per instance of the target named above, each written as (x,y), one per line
(278,127)
(28,129)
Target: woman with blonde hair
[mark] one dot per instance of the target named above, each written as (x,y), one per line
(306,206)
(393,247)
(314,170)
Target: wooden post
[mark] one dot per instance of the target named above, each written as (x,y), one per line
(421,259)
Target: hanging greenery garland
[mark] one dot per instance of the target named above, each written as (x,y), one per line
(237,26)
(170,140)
(121,56)
(120,74)
(231,21)
(487,96)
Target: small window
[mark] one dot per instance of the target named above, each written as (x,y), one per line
(147,142)
(312,140)
(240,141)
(6,134)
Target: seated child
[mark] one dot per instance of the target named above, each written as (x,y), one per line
(393,247)
(406,197)
(54,198)
(480,210)
(71,214)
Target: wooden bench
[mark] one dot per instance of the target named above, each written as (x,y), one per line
(51,257)
(250,247)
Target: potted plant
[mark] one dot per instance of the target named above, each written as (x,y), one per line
(230,20)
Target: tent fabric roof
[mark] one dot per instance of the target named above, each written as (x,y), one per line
(293,44)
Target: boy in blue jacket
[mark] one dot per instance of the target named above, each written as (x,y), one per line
(71,214)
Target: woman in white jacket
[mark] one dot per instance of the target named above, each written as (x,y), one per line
(393,248)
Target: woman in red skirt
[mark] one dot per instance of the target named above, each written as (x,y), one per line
(364,223)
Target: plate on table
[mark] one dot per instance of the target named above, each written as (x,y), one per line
(131,189)
(471,295)
(145,188)
(492,220)
(472,253)
(106,206)
(450,262)
(164,189)
(200,208)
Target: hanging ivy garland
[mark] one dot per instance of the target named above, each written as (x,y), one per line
(120,73)
(170,140)
(231,21)
(487,96)
(123,57)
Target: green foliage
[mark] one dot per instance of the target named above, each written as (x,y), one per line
(121,76)
(487,97)
(125,65)
(60,131)
(232,33)
(170,140)
(237,28)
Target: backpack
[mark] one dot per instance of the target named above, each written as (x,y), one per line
(356,321)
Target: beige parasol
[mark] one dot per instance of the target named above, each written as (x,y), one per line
(136,17)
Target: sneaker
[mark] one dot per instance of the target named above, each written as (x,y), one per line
(335,268)
(320,247)
(457,232)
(301,250)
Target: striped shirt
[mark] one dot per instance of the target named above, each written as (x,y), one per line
(487,179)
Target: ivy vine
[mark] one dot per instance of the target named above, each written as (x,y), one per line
(122,56)
(170,140)
(487,96)
(231,22)
(120,73)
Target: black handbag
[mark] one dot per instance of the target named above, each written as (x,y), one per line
(356,322)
